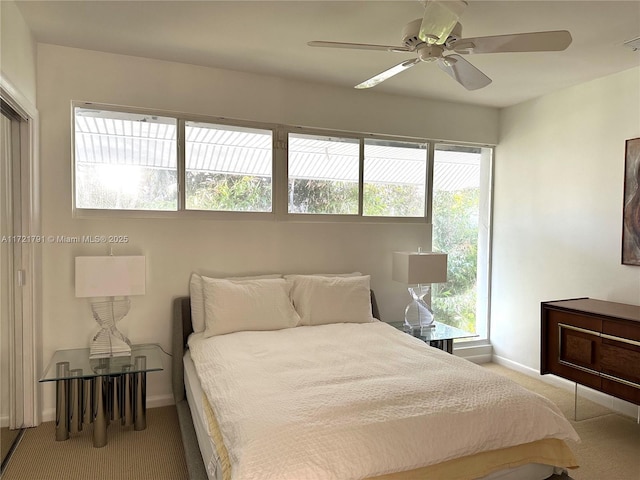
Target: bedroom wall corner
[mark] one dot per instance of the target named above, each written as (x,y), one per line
(558,197)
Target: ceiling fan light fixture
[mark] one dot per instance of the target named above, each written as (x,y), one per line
(439,20)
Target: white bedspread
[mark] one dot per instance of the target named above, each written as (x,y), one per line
(350,401)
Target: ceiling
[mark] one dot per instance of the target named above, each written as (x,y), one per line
(269,37)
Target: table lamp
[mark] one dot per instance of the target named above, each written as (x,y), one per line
(110,276)
(419,270)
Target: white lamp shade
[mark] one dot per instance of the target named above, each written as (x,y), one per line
(110,276)
(419,267)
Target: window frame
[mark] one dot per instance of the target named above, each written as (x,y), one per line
(279,171)
(284,215)
(485,242)
(181,210)
(182,165)
(322,217)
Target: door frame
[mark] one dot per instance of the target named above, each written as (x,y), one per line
(27,394)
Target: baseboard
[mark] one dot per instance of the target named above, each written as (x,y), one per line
(160,401)
(612,403)
(155,401)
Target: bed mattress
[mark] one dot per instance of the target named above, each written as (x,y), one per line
(196,399)
(202,413)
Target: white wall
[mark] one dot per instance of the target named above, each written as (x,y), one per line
(557,223)
(175,247)
(17,51)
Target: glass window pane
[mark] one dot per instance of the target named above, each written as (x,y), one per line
(460,223)
(323,174)
(394,178)
(228,168)
(125,161)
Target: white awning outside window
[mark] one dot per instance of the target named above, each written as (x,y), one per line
(112,138)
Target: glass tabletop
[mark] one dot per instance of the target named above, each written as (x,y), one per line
(66,364)
(438,331)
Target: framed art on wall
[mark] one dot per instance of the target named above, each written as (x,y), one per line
(631,209)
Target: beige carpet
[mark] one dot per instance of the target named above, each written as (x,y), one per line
(155,453)
(610,446)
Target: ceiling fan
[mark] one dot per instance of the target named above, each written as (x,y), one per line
(439,32)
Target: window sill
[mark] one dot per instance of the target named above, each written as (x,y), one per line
(477,351)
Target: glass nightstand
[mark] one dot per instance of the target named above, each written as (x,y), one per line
(101,390)
(440,335)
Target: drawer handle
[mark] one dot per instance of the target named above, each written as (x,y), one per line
(598,334)
(622,340)
(578,367)
(620,380)
(577,329)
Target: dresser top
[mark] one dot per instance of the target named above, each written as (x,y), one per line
(599,307)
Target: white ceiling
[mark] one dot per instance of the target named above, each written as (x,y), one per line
(270,37)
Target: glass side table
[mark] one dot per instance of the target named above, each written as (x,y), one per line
(440,335)
(101,390)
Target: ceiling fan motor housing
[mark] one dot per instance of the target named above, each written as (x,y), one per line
(410,32)
(429,53)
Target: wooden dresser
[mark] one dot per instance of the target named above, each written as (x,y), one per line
(594,343)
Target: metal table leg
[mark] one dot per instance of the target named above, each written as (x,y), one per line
(100,414)
(446,345)
(87,400)
(62,402)
(127,396)
(140,394)
(75,400)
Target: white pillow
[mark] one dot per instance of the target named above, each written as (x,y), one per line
(197,297)
(232,306)
(320,300)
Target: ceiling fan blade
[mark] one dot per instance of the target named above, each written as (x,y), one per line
(381,77)
(520,42)
(463,72)
(360,46)
(439,20)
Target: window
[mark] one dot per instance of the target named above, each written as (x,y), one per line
(228,168)
(323,174)
(394,178)
(125,161)
(461,209)
(134,159)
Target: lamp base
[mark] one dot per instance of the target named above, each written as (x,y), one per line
(418,314)
(109,341)
(106,345)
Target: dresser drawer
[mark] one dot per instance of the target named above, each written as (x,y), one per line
(621,390)
(576,319)
(579,347)
(620,359)
(626,330)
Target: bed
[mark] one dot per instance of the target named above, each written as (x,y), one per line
(341,400)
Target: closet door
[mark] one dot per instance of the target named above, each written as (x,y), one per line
(11,411)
